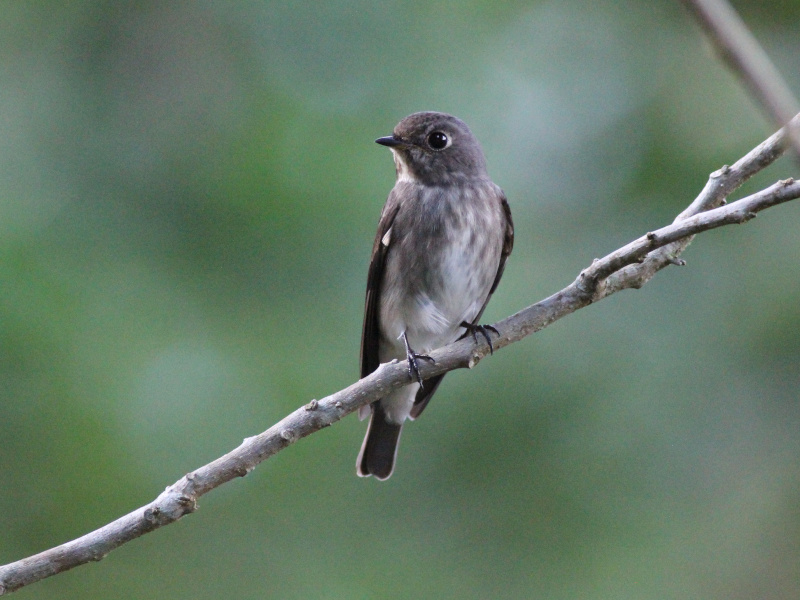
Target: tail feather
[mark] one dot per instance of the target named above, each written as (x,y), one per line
(379,449)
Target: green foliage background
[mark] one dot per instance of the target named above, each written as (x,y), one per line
(188,195)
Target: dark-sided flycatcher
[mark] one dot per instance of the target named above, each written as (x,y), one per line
(443,239)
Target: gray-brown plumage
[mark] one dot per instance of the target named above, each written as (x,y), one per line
(442,243)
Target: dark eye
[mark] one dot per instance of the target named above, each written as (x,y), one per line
(438,141)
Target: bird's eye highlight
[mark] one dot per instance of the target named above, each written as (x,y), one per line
(438,141)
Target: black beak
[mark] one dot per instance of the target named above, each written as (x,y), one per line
(391,141)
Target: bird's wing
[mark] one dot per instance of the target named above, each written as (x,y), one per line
(371,335)
(425,393)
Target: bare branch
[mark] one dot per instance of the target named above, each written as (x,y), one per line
(629,267)
(740,49)
(720,184)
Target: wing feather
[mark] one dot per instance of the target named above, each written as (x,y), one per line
(371,334)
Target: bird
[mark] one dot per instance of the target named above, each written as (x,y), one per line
(443,238)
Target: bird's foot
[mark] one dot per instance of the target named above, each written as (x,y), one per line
(413,366)
(483,330)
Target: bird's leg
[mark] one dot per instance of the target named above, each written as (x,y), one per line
(413,368)
(483,330)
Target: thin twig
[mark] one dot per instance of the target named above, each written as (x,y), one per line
(720,184)
(628,267)
(745,56)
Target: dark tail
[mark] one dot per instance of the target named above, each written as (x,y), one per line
(380,446)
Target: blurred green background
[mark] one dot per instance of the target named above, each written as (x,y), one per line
(188,197)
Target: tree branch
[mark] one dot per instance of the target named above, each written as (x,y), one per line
(629,267)
(741,51)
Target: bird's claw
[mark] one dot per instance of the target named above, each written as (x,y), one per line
(413,357)
(483,330)
(413,368)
